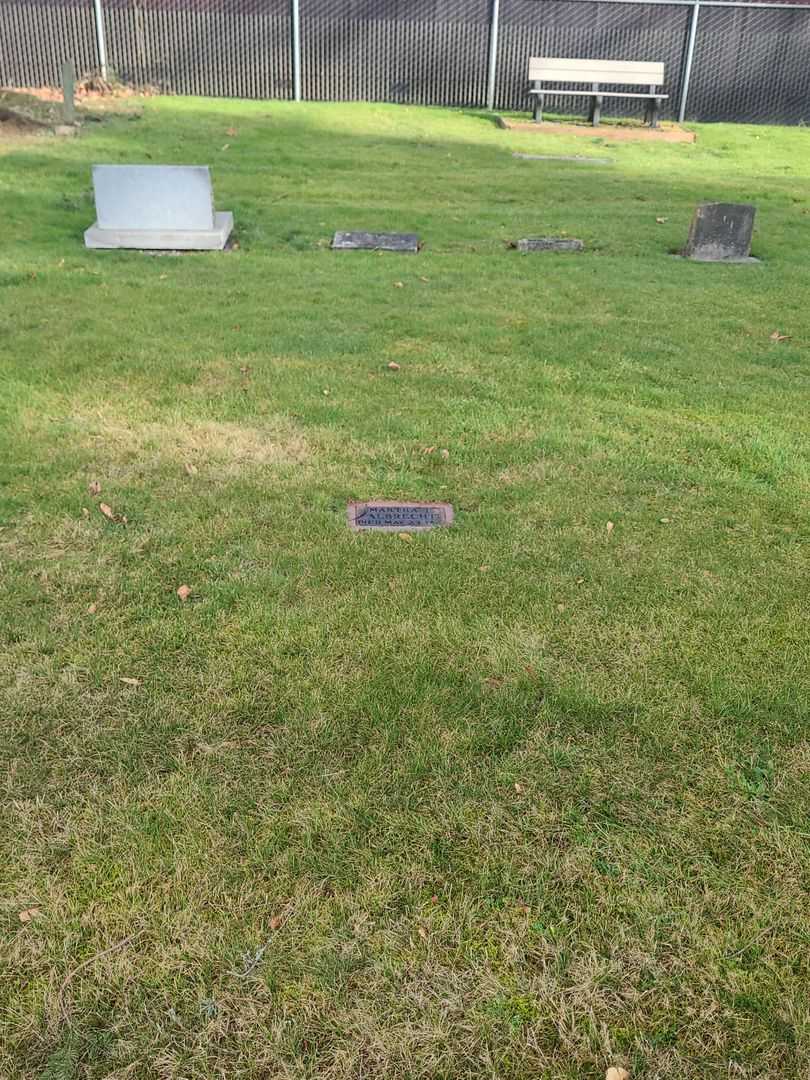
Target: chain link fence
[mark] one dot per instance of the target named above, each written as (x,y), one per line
(747,62)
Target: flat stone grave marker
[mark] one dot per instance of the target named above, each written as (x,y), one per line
(367,241)
(580,159)
(156,207)
(550,243)
(721,232)
(387,516)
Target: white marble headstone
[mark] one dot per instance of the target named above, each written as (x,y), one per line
(153,196)
(156,206)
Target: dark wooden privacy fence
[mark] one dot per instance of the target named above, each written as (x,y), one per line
(748,61)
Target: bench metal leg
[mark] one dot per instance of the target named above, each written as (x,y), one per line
(653,109)
(596,110)
(539,100)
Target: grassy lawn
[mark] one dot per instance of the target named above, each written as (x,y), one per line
(521,799)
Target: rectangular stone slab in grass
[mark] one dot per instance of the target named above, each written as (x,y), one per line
(550,243)
(721,232)
(387,516)
(367,241)
(156,207)
(580,159)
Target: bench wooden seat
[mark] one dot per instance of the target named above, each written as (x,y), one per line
(593,75)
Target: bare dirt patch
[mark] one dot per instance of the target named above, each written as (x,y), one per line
(37,111)
(615,133)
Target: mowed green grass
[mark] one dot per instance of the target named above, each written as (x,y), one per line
(525,798)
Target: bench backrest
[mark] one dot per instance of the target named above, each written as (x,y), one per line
(153,197)
(604,72)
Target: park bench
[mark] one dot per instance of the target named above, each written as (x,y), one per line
(595,74)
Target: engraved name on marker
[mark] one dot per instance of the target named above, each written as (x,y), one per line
(395,516)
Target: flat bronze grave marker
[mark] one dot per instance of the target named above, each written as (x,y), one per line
(387,516)
(367,241)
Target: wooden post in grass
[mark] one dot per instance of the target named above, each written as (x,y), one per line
(68,91)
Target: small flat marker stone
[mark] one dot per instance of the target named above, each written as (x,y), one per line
(579,158)
(367,241)
(386,516)
(550,243)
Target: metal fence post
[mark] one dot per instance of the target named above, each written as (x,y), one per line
(493,54)
(101,42)
(690,55)
(295,13)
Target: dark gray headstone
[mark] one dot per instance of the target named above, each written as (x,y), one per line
(385,516)
(721,232)
(367,241)
(579,158)
(550,243)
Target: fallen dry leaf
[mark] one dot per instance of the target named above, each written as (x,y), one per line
(519,788)
(107,511)
(231,132)
(615,1073)
(423,934)
(483,569)
(393,366)
(426,280)
(28,914)
(226,146)
(184,592)
(445,454)
(428,449)
(190,469)
(92,609)
(94,487)
(275,922)
(399,284)
(609,527)
(664,521)
(129,681)
(777,335)
(661,220)
(85,512)
(405,536)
